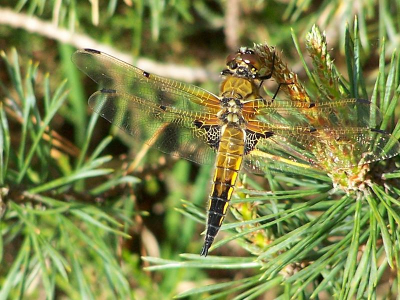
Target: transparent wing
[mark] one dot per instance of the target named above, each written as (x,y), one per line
(323,148)
(326,135)
(112,73)
(168,129)
(158,111)
(332,114)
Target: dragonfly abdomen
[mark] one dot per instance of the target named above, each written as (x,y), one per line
(228,162)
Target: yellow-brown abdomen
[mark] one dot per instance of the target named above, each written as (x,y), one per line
(228,163)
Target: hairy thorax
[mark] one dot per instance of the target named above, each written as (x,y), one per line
(235,92)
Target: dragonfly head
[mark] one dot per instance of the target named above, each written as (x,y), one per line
(244,63)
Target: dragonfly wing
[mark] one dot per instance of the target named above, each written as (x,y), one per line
(282,153)
(347,147)
(112,73)
(323,148)
(334,114)
(168,129)
(328,135)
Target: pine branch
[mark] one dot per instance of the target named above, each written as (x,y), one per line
(61,225)
(63,235)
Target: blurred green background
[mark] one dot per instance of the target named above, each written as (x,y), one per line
(75,222)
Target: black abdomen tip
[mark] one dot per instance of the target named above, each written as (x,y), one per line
(204,250)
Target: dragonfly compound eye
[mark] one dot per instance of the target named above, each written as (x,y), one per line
(251,60)
(231,57)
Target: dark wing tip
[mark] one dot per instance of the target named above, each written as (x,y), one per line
(379,131)
(363,101)
(92,51)
(108,91)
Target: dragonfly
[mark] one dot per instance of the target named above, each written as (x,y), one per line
(232,130)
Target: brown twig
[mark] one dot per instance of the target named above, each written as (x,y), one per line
(50,30)
(231,28)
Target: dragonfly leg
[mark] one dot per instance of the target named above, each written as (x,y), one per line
(268,76)
(277,90)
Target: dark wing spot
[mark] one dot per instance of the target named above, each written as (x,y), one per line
(312,129)
(378,130)
(213,133)
(146,74)
(267,134)
(108,91)
(213,136)
(311,105)
(92,51)
(197,123)
(163,107)
(363,101)
(252,139)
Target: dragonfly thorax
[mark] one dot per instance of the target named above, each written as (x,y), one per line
(231,111)
(235,92)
